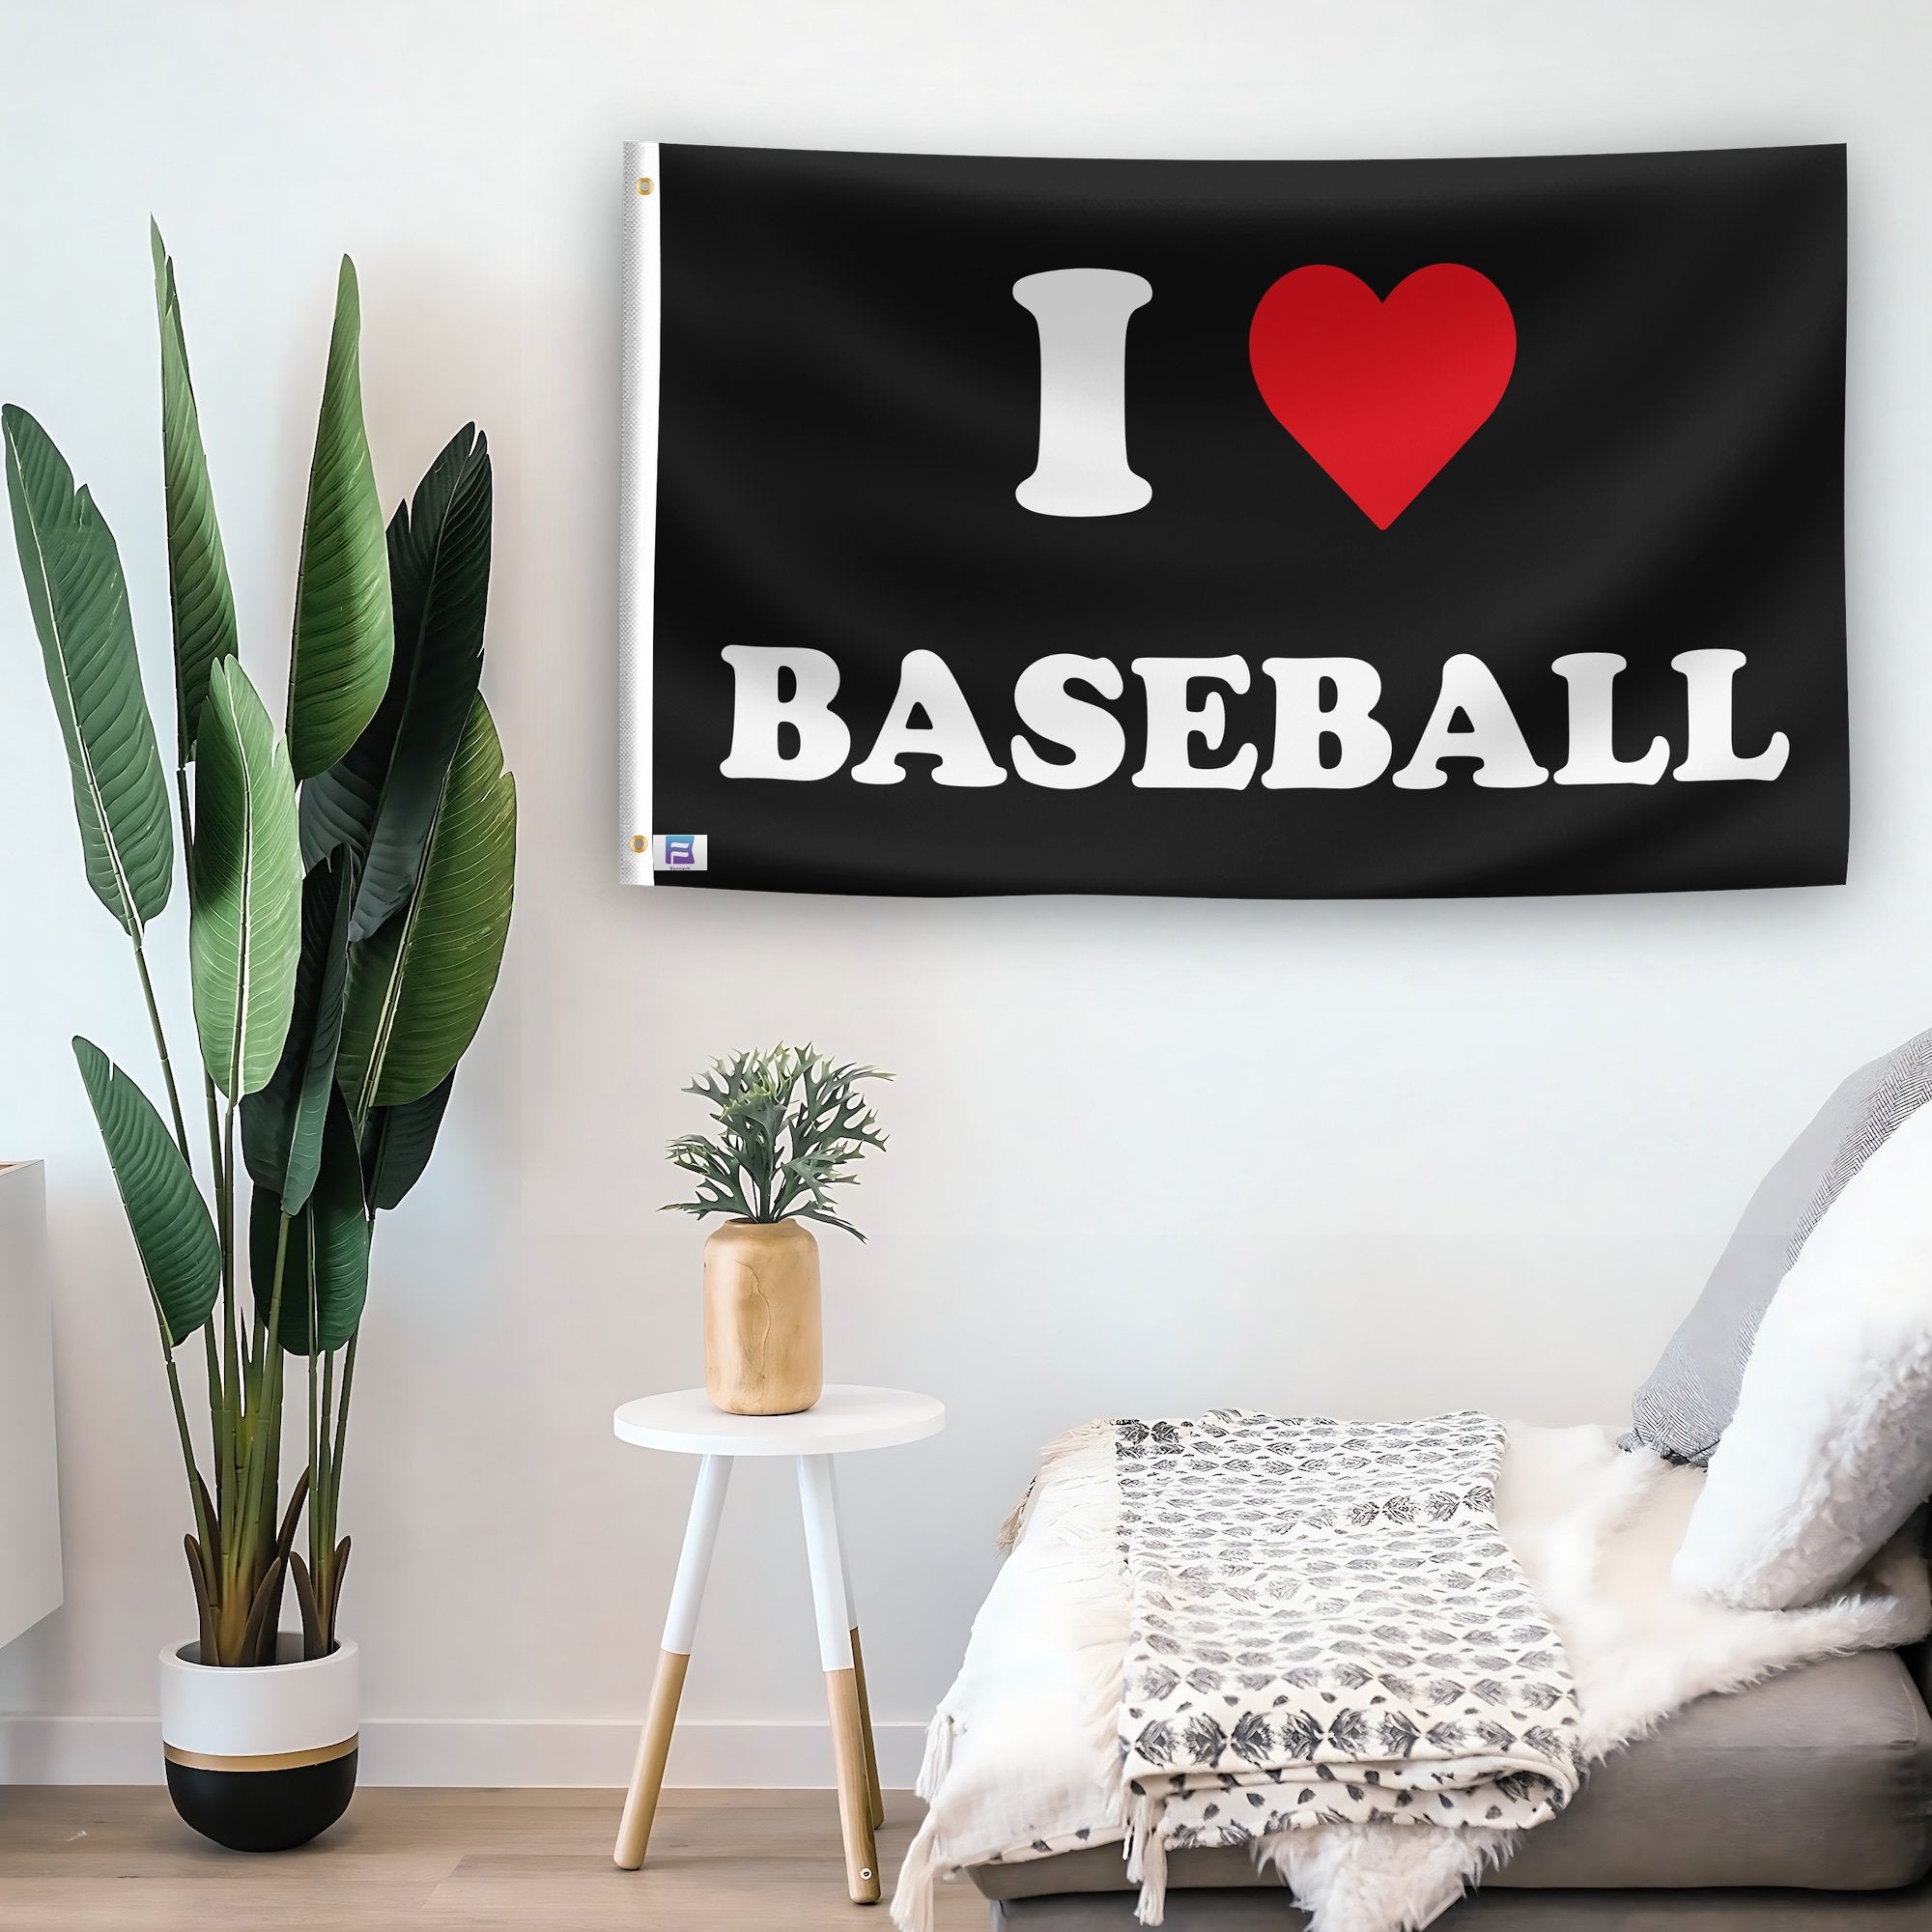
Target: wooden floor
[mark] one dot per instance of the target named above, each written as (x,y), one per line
(74,1859)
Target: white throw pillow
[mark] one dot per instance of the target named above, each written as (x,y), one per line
(1830,1449)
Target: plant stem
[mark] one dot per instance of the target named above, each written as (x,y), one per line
(215,1435)
(328,1543)
(341,1425)
(242,1566)
(322,1520)
(316,1434)
(234,1420)
(266,1407)
(219,1434)
(327,1538)
(202,1526)
(161,1047)
(231,1359)
(194,1488)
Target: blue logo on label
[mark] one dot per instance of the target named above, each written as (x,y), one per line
(681,848)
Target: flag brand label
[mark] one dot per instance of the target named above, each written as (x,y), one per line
(680,852)
(1302,529)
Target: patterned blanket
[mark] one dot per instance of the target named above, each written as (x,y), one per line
(1325,1626)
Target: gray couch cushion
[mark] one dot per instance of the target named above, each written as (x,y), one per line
(1821,1778)
(1692,1393)
(1488,1911)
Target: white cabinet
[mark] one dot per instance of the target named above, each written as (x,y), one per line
(30,1559)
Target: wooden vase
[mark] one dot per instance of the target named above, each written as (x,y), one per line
(764,1349)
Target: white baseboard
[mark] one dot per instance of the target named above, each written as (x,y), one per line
(479,1751)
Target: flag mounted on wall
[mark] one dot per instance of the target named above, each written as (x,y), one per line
(1292,530)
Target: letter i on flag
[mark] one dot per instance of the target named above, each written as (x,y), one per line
(1284,528)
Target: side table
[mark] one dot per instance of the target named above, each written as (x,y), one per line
(844,1419)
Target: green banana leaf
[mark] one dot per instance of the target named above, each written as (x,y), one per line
(381,797)
(398,1142)
(281,1125)
(173,1231)
(326,1265)
(246,882)
(418,987)
(198,590)
(79,601)
(344,636)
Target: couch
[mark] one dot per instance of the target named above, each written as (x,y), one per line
(1801,1805)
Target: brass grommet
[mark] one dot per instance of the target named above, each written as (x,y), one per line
(643,184)
(640,843)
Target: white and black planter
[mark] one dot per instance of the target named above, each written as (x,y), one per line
(264,1759)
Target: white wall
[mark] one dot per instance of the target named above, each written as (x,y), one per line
(1147,1155)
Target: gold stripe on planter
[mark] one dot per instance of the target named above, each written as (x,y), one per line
(267,1761)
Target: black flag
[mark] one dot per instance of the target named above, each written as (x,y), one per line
(1312,529)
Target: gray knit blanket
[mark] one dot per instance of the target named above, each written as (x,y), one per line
(1327,1626)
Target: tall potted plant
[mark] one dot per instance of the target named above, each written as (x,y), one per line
(350,880)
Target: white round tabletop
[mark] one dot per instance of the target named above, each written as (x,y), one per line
(843,1418)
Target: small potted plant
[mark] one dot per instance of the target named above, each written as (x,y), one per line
(790,1127)
(349,888)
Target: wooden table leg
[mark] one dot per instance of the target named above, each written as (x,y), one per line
(875,1798)
(855,1805)
(821,1511)
(878,1797)
(694,1564)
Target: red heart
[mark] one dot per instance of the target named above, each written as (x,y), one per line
(1382,393)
